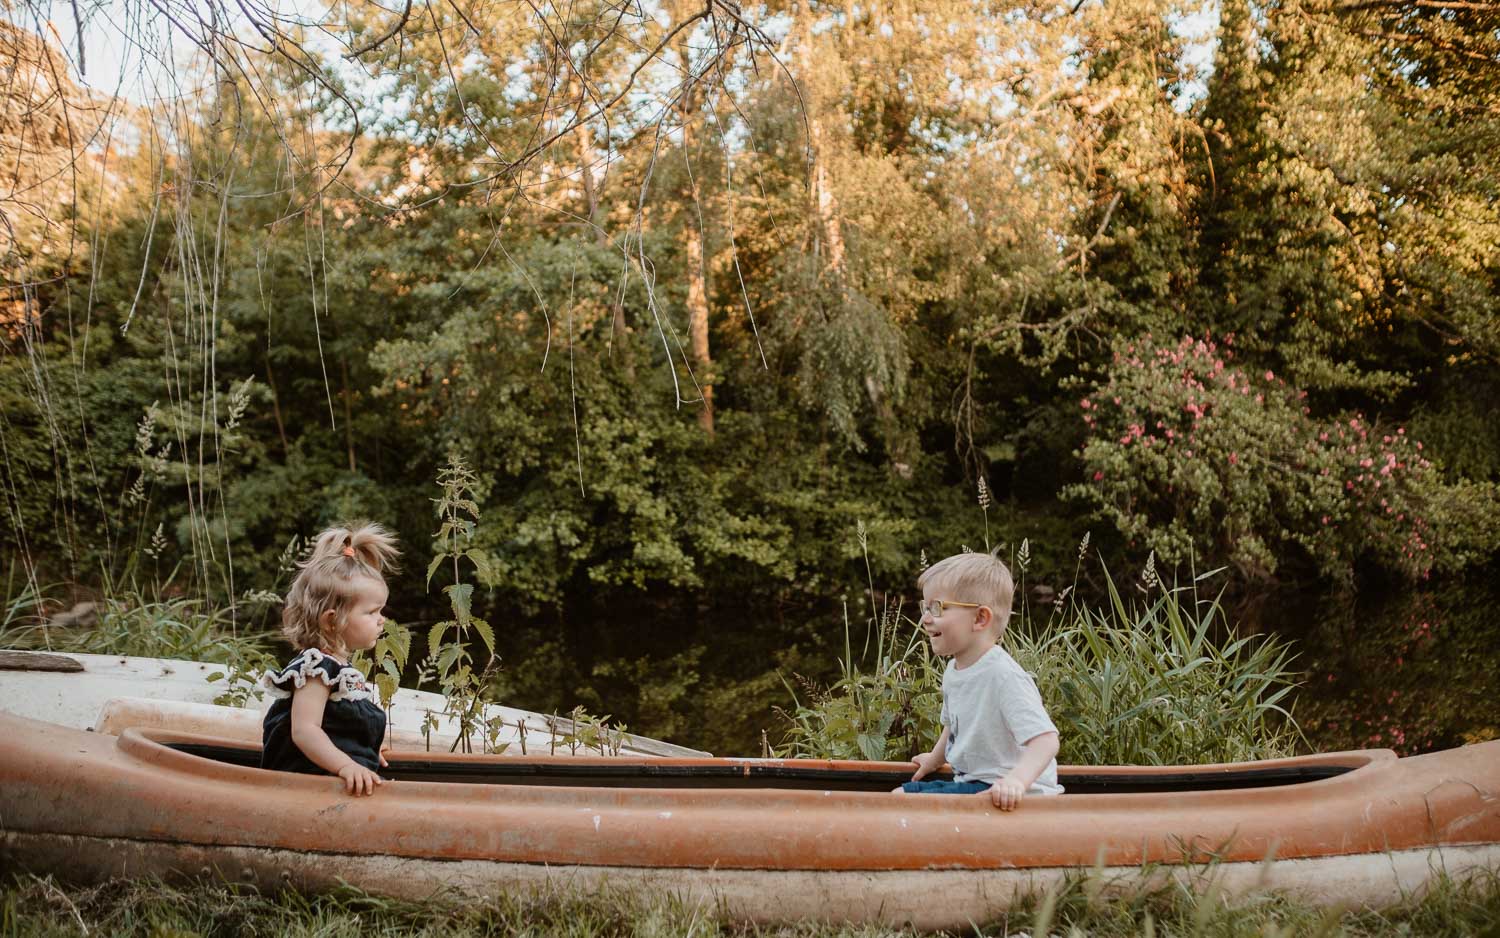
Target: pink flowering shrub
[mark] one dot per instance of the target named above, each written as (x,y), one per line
(1185,446)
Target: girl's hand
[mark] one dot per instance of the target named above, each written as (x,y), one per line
(383,751)
(926,763)
(1007,793)
(359,780)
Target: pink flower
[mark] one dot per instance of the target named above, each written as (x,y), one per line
(1085,404)
(1098,477)
(1234,459)
(1270,376)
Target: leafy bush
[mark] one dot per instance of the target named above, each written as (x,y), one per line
(1159,680)
(1185,447)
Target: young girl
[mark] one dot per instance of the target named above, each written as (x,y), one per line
(326,717)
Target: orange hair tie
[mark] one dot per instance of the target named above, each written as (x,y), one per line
(348,551)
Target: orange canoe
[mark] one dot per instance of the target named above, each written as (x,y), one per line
(764,840)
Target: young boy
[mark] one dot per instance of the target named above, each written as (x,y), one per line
(996,733)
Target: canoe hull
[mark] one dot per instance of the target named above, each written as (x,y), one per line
(86,805)
(923,899)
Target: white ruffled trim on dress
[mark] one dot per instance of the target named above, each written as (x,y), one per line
(348,684)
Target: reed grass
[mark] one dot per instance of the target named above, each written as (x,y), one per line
(33,907)
(132,624)
(1152,676)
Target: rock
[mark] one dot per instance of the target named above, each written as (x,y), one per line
(83,614)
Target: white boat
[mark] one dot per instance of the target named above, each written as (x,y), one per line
(107,693)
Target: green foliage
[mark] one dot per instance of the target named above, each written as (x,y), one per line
(884,711)
(387,660)
(1158,679)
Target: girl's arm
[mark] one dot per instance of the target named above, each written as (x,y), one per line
(308,702)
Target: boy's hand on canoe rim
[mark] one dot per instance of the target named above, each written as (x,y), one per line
(926,763)
(1007,793)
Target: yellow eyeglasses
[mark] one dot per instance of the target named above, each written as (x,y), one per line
(936,607)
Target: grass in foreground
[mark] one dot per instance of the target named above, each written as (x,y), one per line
(33,906)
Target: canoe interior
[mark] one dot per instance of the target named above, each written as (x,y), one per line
(747,775)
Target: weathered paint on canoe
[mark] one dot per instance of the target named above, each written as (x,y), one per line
(793,849)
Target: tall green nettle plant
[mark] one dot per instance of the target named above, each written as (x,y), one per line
(465,686)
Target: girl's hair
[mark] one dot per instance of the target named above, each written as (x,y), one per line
(328,580)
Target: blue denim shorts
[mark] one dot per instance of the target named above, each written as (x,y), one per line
(945,788)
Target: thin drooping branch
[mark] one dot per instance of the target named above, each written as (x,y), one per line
(381,40)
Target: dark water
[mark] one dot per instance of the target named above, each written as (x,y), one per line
(1404,669)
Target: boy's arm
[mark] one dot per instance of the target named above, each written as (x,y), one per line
(929,762)
(1036,753)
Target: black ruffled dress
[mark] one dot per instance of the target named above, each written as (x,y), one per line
(352,718)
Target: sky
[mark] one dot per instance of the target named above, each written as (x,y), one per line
(131,50)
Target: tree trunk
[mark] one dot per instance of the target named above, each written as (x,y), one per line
(692,237)
(583,138)
(825,204)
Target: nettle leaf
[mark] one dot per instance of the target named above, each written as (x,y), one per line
(435,637)
(388,686)
(481,562)
(460,595)
(437,561)
(485,632)
(450,654)
(398,642)
(871,746)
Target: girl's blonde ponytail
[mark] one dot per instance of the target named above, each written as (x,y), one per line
(340,558)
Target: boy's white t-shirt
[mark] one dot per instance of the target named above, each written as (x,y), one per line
(991,709)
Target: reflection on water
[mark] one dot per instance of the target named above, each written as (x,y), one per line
(1412,671)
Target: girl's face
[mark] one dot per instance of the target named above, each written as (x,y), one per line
(364,618)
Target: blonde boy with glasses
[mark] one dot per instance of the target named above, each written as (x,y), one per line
(996,733)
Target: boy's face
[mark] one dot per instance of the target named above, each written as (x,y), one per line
(957,629)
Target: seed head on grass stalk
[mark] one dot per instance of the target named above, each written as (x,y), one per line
(984,505)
